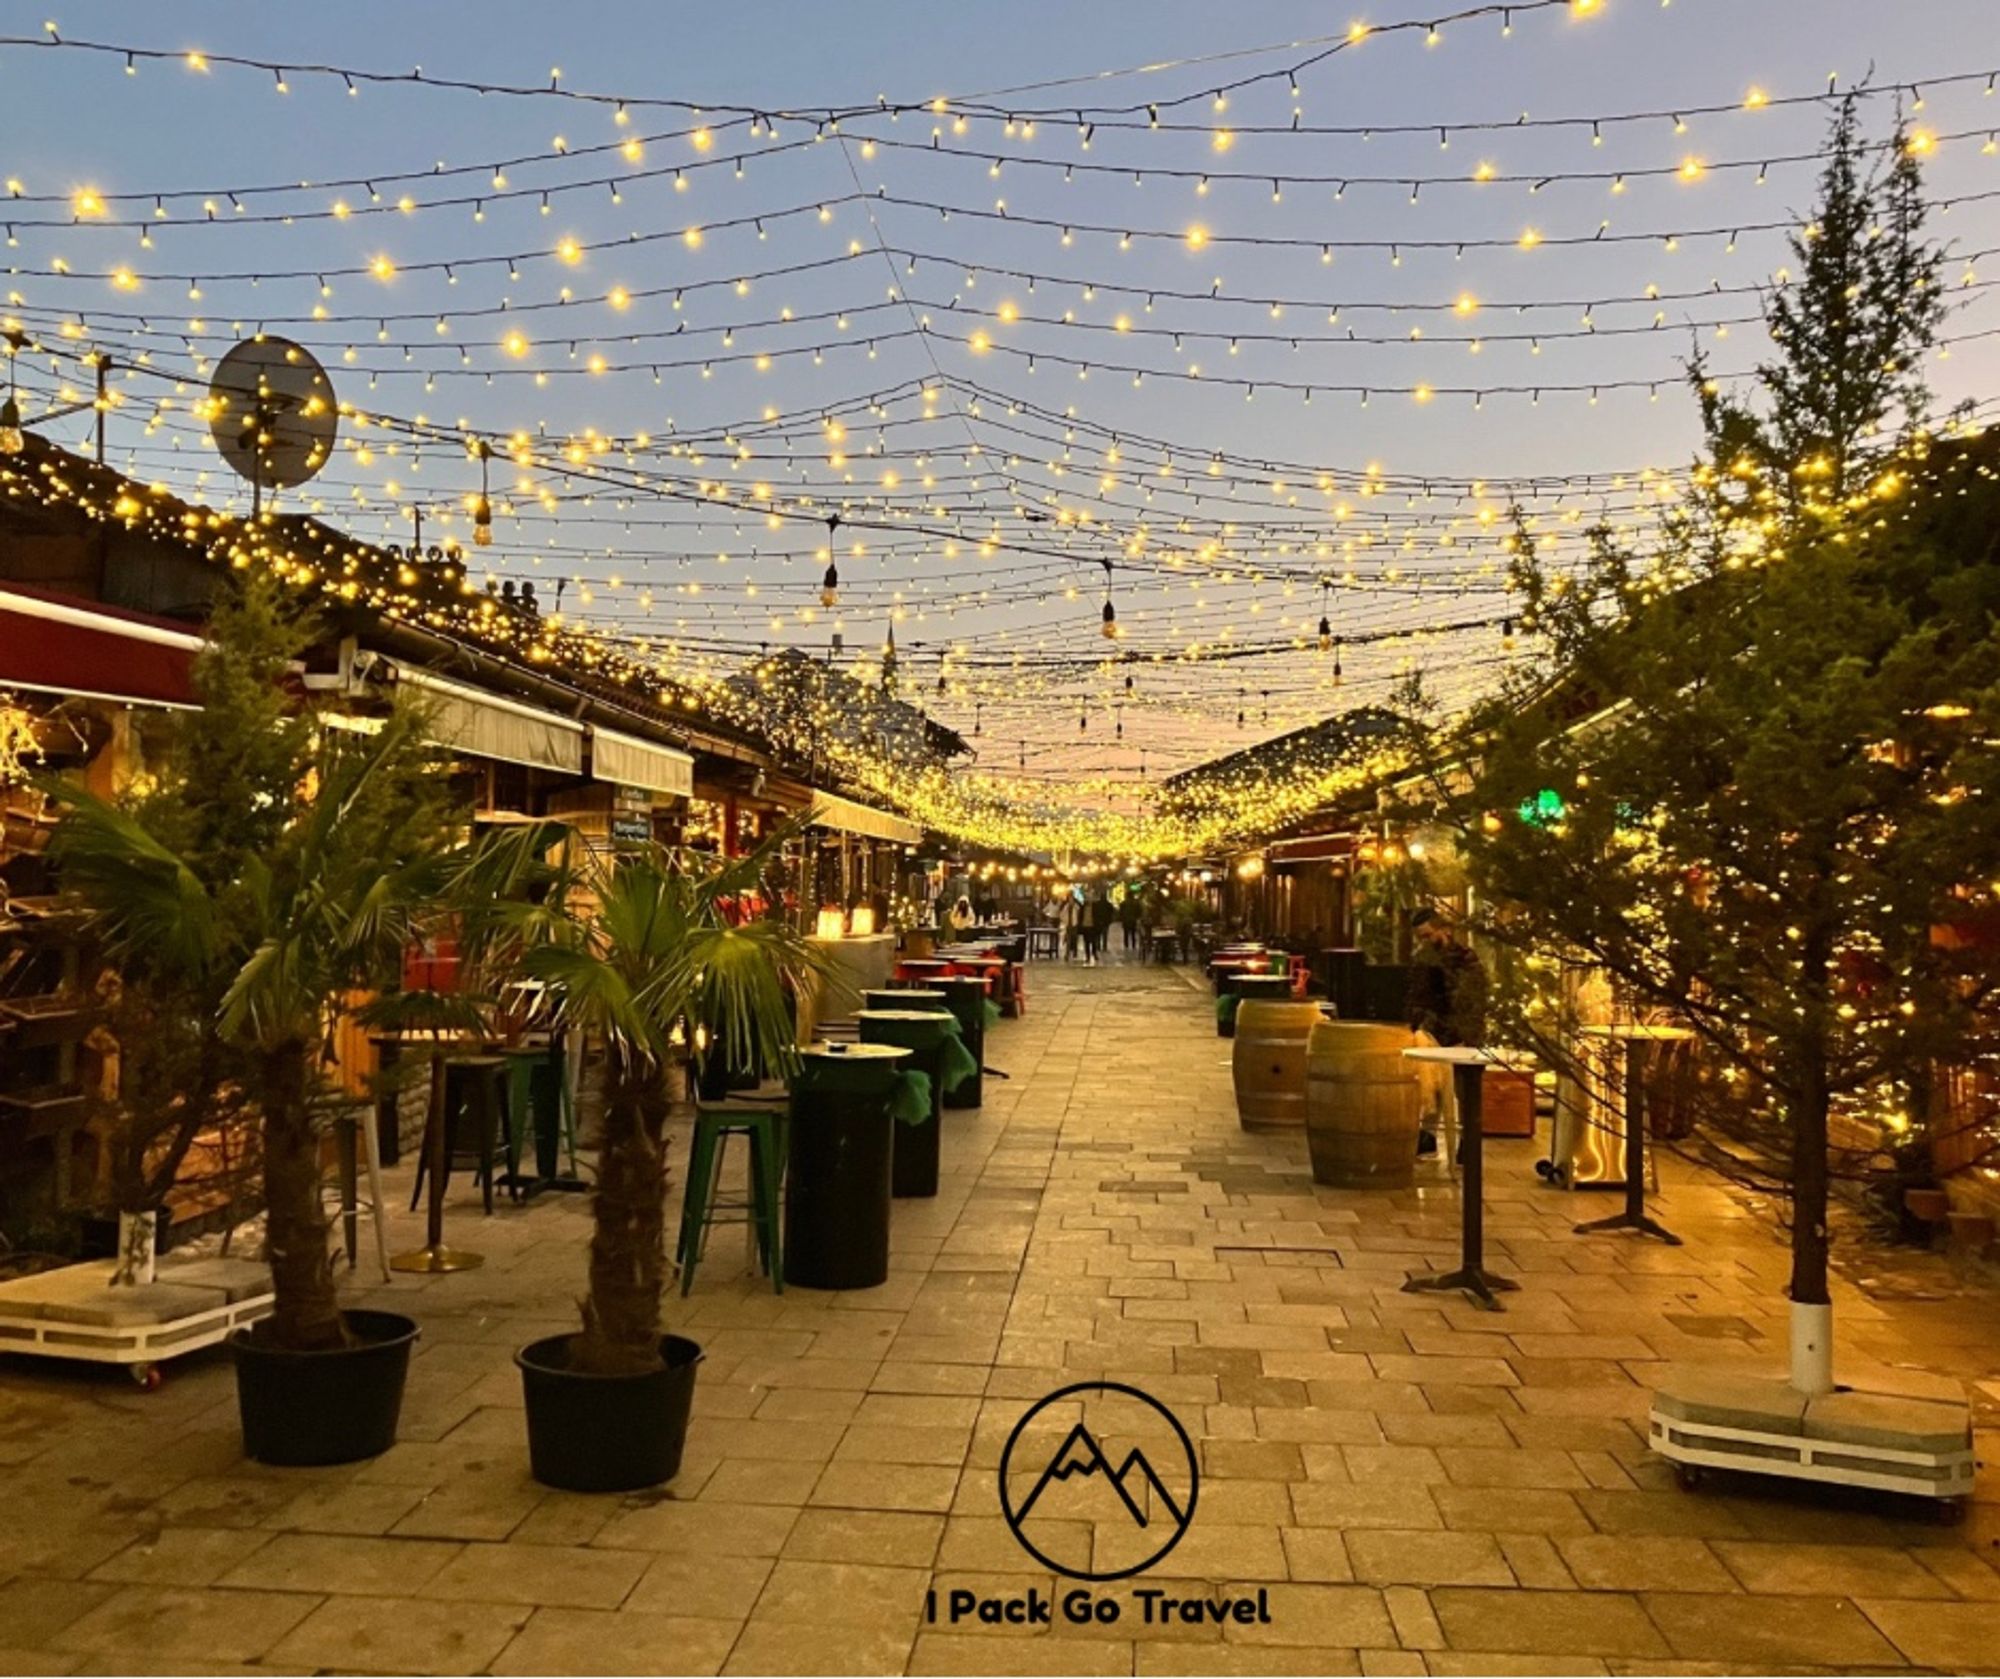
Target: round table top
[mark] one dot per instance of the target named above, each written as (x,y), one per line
(1637,1033)
(905,991)
(1282,981)
(856,1052)
(1464,1055)
(899,1014)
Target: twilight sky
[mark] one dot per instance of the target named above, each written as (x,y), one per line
(1456,334)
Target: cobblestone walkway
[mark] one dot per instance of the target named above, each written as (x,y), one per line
(1421,1487)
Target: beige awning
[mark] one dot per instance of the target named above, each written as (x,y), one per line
(631,762)
(485,725)
(847,817)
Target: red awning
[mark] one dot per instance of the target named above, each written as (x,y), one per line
(56,644)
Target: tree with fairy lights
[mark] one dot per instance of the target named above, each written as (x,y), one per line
(1753,781)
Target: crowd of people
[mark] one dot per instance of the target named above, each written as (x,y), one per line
(1084,916)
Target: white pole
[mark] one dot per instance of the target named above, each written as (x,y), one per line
(1812,1348)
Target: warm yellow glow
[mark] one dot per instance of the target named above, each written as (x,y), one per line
(1197,237)
(570,250)
(86,203)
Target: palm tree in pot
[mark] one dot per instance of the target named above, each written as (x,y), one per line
(362,859)
(658,944)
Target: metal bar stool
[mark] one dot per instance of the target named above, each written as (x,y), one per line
(763,1124)
(475,1091)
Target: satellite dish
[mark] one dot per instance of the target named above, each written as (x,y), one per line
(272,413)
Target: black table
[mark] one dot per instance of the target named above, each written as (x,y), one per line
(1468,1073)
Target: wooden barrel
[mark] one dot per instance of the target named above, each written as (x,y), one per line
(1270,1061)
(1361,1105)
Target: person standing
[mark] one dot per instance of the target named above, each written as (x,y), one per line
(1100,915)
(1447,989)
(1128,917)
(1446,1000)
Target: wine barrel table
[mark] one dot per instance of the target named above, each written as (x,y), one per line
(1269,1061)
(1362,1105)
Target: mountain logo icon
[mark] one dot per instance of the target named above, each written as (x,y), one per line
(1098,1481)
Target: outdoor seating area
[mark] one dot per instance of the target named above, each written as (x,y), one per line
(1163,842)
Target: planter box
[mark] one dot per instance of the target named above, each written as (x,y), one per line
(1507,1104)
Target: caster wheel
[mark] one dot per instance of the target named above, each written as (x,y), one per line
(148,1376)
(1688,1476)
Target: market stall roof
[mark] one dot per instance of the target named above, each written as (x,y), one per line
(490,725)
(55,644)
(849,817)
(1310,848)
(630,762)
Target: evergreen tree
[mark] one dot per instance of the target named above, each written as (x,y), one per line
(1753,781)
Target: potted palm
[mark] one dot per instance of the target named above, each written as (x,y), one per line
(655,948)
(352,853)
(324,912)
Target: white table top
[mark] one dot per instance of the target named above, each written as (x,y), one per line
(1637,1033)
(1465,1055)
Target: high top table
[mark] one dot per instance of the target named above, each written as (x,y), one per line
(1638,1042)
(1468,1074)
(840,1153)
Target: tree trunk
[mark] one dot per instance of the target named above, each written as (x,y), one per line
(628,1244)
(1809,1190)
(306,1316)
(1812,1326)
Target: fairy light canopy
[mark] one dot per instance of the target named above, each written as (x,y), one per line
(1149,414)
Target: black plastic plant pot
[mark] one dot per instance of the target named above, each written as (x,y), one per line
(340,1405)
(839,1170)
(592,1433)
(967,998)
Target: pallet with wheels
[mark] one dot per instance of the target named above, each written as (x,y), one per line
(75,1313)
(1883,1442)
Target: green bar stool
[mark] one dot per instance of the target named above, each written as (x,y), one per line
(763,1124)
(539,1110)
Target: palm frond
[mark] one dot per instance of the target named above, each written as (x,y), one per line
(150,906)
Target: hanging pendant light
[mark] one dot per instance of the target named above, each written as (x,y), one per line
(829,585)
(482,509)
(1110,628)
(12,439)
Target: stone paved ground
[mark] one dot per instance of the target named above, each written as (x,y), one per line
(1422,1487)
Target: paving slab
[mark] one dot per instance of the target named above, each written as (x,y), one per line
(1419,1486)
